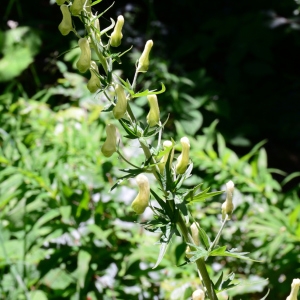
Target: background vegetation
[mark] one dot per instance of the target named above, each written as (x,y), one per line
(232,86)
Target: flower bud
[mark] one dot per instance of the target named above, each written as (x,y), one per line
(295,289)
(169,146)
(187,252)
(110,144)
(227,206)
(198,295)
(77,7)
(94,83)
(153,115)
(65,25)
(141,201)
(143,63)
(60,2)
(84,61)
(121,105)
(183,159)
(116,36)
(195,234)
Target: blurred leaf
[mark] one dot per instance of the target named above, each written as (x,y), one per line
(57,279)
(191,121)
(83,261)
(38,295)
(20,46)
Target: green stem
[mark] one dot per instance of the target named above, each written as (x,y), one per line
(134,80)
(188,239)
(126,160)
(99,54)
(131,115)
(91,33)
(218,235)
(199,262)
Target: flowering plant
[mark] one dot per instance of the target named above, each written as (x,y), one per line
(172,205)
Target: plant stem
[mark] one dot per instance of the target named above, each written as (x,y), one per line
(180,222)
(126,160)
(199,262)
(185,233)
(131,115)
(218,235)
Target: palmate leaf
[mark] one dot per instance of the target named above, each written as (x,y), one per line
(200,252)
(156,224)
(203,196)
(221,251)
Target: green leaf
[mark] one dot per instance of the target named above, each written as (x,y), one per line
(204,195)
(200,252)
(100,234)
(84,202)
(265,297)
(21,44)
(83,261)
(96,2)
(163,204)
(262,159)
(50,215)
(204,237)
(221,251)
(290,177)
(223,285)
(164,241)
(253,151)
(218,283)
(38,295)
(147,92)
(57,279)
(192,121)
(132,134)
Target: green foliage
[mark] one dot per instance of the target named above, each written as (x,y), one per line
(54,230)
(66,230)
(18,47)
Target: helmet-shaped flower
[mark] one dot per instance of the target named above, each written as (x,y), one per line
(121,105)
(295,289)
(94,83)
(84,61)
(168,146)
(141,201)
(153,115)
(116,36)
(183,159)
(110,145)
(143,63)
(65,25)
(77,7)
(60,2)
